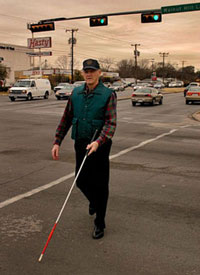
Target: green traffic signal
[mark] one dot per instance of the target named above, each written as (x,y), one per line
(156,17)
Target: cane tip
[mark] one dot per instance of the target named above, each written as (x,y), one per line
(40,259)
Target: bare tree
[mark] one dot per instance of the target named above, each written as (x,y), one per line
(125,68)
(143,63)
(106,64)
(4,72)
(61,62)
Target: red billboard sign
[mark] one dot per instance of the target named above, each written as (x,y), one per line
(40,42)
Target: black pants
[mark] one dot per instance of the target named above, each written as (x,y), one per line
(94,177)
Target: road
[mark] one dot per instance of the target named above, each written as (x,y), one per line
(153,212)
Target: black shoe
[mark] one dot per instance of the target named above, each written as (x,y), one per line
(98,233)
(92,210)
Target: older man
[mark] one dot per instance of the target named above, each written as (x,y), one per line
(91,107)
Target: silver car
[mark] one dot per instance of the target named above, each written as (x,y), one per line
(65,92)
(141,85)
(117,86)
(147,95)
(192,95)
(61,86)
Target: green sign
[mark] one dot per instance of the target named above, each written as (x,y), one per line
(181,8)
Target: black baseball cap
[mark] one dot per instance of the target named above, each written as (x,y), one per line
(91,64)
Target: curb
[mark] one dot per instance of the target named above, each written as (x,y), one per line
(3,93)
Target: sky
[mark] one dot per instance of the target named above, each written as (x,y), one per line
(177,34)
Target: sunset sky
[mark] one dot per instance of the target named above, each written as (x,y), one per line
(177,34)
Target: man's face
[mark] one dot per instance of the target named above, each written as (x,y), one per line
(91,76)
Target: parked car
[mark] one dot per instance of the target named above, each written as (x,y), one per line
(159,85)
(192,95)
(141,85)
(107,84)
(117,86)
(78,83)
(175,84)
(192,84)
(65,92)
(146,95)
(29,89)
(60,86)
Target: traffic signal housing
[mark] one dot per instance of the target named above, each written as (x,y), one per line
(98,21)
(42,27)
(151,17)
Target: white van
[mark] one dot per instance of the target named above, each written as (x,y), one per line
(30,88)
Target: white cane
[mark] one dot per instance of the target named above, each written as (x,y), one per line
(65,202)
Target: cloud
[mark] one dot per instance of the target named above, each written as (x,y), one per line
(177,34)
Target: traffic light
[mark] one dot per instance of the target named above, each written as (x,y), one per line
(151,17)
(98,21)
(42,27)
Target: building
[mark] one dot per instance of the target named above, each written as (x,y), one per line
(15,58)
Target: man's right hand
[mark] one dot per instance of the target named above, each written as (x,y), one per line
(55,152)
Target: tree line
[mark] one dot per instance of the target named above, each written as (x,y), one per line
(127,69)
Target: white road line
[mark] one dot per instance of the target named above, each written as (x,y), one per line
(141,144)
(60,180)
(35,191)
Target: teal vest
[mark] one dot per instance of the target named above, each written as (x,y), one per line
(89,111)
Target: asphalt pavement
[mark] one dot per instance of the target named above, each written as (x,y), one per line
(153,210)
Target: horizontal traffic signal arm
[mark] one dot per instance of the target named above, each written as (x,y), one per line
(97,15)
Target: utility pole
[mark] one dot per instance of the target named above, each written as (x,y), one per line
(136,54)
(152,66)
(72,41)
(183,62)
(163,55)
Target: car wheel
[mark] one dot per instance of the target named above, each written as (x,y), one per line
(133,103)
(187,102)
(58,97)
(12,98)
(29,97)
(161,101)
(46,96)
(153,102)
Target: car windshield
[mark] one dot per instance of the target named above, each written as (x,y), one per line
(63,84)
(143,90)
(22,84)
(66,88)
(78,83)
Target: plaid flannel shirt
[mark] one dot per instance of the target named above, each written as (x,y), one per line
(107,131)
